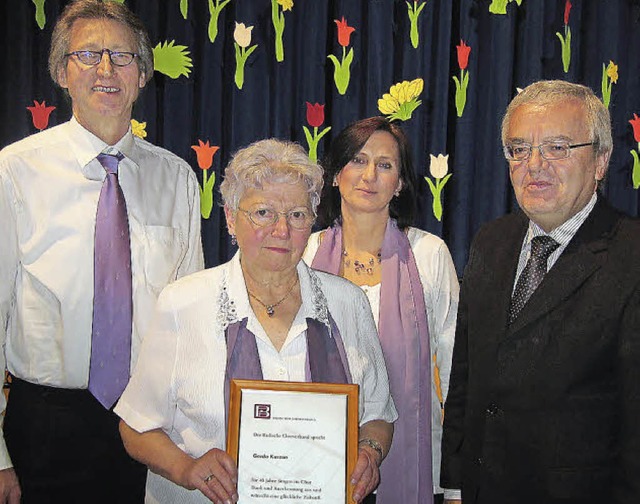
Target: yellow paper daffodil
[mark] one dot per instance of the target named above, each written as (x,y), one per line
(612,71)
(286,4)
(138,128)
(401,100)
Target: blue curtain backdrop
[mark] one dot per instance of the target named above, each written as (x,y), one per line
(508,51)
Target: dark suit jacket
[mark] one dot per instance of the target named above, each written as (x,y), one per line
(547,410)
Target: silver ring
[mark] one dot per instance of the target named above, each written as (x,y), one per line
(209,478)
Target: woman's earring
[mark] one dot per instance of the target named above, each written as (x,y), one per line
(397,193)
(233,240)
(335,182)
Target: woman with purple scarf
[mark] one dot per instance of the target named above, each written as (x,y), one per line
(263,315)
(369,202)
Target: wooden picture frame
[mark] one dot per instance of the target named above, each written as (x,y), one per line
(350,391)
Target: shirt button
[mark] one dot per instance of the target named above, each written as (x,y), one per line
(282,371)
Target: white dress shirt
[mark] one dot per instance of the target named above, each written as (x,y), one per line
(50,183)
(178,384)
(441,293)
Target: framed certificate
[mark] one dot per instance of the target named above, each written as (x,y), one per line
(293,441)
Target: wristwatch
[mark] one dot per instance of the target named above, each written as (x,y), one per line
(372,443)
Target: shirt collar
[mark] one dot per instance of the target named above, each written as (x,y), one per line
(565,231)
(86,146)
(314,304)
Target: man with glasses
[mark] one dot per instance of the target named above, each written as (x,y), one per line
(95,222)
(544,394)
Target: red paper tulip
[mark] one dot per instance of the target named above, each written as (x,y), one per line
(635,122)
(205,154)
(315,114)
(40,114)
(567,9)
(463,54)
(344,32)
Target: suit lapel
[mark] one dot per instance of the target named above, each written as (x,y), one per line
(584,255)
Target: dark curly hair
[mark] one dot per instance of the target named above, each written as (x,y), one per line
(344,148)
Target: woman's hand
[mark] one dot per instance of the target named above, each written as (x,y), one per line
(366,474)
(214,474)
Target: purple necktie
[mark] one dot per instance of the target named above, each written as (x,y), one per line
(112,305)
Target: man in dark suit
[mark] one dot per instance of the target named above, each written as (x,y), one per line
(544,398)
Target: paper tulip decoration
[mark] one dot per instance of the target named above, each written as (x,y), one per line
(439,167)
(242,37)
(205,153)
(635,174)
(315,118)
(342,69)
(463,51)
(40,114)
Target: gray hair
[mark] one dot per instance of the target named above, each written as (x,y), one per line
(550,92)
(266,162)
(98,9)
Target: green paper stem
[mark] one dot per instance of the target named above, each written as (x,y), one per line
(498,7)
(414,12)
(565,45)
(313,139)
(214,13)
(184,8)
(342,70)
(206,194)
(277,18)
(41,18)
(635,174)
(436,191)
(405,111)
(241,58)
(461,91)
(606,87)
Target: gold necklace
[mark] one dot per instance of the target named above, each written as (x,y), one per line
(360,266)
(270,308)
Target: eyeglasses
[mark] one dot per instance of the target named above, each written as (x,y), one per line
(550,151)
(298,218)
(92,58)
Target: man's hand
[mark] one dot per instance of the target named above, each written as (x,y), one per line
(9,487)
(366,474)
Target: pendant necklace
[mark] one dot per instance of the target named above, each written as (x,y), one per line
(360,266)
(270,308)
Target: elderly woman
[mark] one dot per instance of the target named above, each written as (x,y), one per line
(409,278)
(265,306)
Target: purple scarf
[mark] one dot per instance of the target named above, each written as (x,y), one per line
(326,359)
(406,474)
